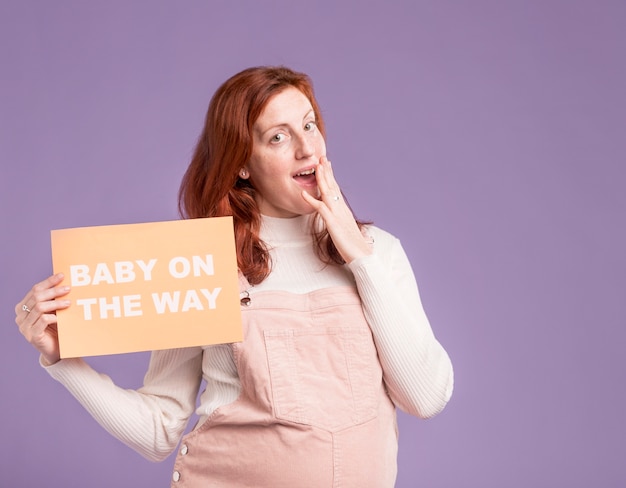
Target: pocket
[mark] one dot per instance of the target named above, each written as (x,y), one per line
(327,377)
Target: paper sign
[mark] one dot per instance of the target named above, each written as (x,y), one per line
(150,286)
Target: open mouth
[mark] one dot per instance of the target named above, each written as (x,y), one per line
(306,177)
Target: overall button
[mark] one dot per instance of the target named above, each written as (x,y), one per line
(184,449)
(176,476)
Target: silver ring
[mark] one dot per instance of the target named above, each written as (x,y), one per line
(336,198)
(25,308)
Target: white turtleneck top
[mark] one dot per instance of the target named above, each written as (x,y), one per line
(416,369)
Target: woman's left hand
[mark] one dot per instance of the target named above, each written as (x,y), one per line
(336,214)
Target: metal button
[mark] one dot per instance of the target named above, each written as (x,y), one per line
(184,449)
(244,298)
(176,476)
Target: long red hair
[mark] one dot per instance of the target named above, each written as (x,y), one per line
(211,186)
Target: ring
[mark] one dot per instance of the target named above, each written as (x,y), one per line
(25,308)
(336,198)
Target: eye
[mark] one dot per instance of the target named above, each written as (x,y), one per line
(309,126)
(277,138)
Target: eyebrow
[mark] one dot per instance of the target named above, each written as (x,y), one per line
(283,124)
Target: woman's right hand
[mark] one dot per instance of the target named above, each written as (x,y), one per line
(36,317)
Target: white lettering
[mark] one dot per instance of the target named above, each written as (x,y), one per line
(102,273)
(173,267)
(114,306)
(210,296)
(132,305)
(203,264)
(124,272)
(147,268)
(170,302)
(192,300)
(86,303)
(79,275)
(166,300)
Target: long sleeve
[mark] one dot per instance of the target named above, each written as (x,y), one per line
(417,370)
(150,420)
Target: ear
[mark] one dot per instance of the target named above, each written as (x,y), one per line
(244,174)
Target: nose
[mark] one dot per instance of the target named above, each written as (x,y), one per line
(304,146)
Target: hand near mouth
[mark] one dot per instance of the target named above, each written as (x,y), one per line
(336,214)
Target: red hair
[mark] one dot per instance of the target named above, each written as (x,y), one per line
(211,186)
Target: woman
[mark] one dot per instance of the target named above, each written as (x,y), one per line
(335,333)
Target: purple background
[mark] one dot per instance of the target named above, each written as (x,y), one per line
(488,135)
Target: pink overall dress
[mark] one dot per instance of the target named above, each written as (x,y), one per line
(313,411)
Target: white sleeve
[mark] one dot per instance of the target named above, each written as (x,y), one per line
(150,420)
(416,369)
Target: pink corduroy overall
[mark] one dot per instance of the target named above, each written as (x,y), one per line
(313,411)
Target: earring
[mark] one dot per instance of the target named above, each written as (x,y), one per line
(243,173)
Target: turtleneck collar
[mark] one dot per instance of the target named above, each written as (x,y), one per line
(280,231)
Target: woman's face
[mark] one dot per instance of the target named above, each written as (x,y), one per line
(287,146)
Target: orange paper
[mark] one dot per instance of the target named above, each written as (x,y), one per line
(150,286)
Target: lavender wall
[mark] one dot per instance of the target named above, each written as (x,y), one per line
(488,135)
